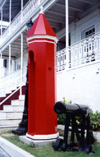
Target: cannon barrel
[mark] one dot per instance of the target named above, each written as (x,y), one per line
(77,109)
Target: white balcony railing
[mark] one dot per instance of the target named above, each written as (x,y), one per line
(19,87)
(61,60)
(85,51)
(11,82)
(19,20)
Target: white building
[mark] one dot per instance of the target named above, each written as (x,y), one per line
(76,24)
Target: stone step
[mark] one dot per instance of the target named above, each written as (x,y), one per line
(12,108)
(17,102)
(15,96)
(21,102)
(11,114)
(10,127)
(21,97)
(9,121)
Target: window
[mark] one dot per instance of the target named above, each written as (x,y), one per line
(89,32)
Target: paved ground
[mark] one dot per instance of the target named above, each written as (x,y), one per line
(3,153)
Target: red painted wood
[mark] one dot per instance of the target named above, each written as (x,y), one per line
(42,119)
(41,27)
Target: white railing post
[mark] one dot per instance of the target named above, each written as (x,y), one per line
(98,52)
(1,65)
(10,11)
(67,33)
(10,16)
(38,2)
(1,21)
(9,62)
(69,56)
(21,62)
(21,11)
(80,54)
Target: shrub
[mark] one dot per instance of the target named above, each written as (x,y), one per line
(95,120)
(61,117)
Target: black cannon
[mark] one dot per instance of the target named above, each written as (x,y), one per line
(72,112)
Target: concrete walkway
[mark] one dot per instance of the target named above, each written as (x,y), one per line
(3,153)
(12,150)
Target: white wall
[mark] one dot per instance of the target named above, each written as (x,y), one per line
(81,85)
(25,62)
(18,63)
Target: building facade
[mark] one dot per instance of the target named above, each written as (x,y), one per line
(77,26)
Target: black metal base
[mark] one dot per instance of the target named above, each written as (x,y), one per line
(23,125)
(19,131)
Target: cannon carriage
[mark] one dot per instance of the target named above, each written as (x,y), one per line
(74,111)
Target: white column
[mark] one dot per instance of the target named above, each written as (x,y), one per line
(1,21)
(10,16)
(10,12)
(9,59)
(38,2)
(21,10)
(67,33)
(67,24)
(21,62)
(1,65)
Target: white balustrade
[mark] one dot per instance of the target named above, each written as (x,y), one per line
(16,22)
(28,10)
(11,82)
(60,60)
(83,52)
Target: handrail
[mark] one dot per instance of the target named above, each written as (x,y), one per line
(13,83)
(14,90)
(9,95)
(9,80)
(2,4)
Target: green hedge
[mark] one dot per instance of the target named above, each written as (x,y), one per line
(95,120)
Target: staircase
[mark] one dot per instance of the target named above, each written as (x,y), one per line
(13,97)
(11,110)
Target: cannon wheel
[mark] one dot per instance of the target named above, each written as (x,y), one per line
(88,149)
(57,144)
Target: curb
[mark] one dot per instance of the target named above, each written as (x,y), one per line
(12,149)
